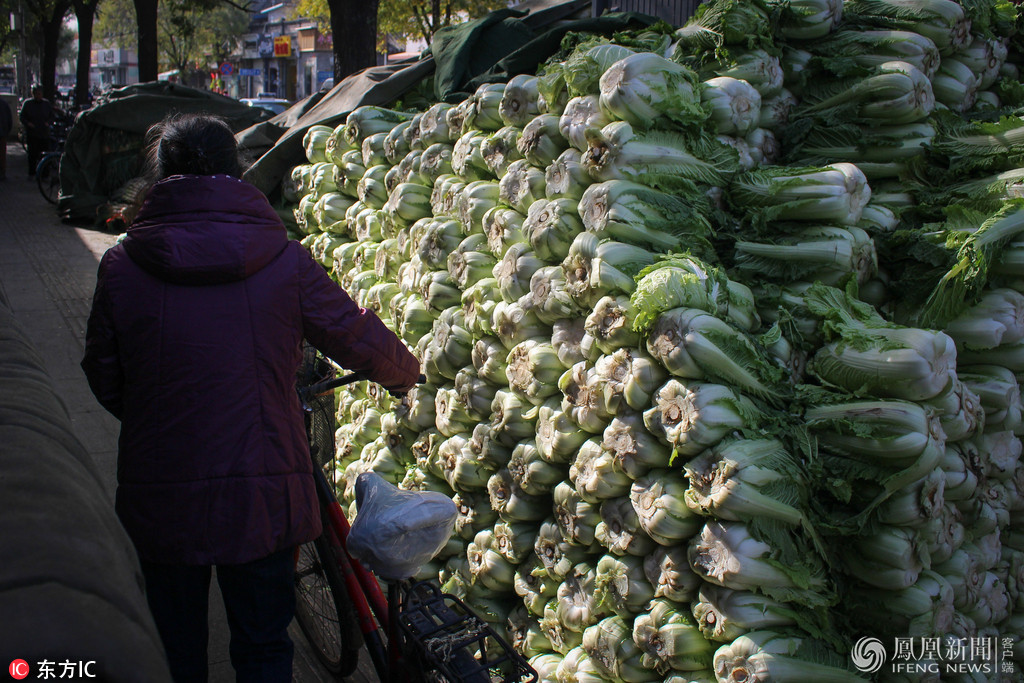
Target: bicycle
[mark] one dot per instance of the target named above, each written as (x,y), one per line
(325,616)
(48,168)
(416,633)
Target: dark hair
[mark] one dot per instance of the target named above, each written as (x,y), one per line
(191,144)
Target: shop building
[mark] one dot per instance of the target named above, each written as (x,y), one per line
(111,67)
(283,56)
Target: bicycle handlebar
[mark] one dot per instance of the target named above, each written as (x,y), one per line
(324,386)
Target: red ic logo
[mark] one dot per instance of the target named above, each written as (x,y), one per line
(19,669)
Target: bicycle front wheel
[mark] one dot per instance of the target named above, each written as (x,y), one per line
(323,609)
(48,177)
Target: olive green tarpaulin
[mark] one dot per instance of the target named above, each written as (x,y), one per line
(257,140)
(465,51)
(491,49)
(102,151)
(503,44)
(376,85)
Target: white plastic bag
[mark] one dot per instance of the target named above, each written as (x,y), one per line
(396,532)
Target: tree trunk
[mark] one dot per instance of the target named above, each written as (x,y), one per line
(51,27)
(85,12)
(145,13)
(354,34)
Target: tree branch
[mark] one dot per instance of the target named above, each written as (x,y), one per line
(422,21)
(244,8)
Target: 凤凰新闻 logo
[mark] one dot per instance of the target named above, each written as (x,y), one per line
(868,655)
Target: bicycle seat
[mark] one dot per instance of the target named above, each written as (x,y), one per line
(396,532)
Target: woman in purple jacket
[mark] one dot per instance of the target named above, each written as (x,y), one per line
(193,342)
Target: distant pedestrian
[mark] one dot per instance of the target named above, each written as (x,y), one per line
(37,118)
(6,124)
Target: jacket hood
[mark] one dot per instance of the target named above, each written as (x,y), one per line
(197,230)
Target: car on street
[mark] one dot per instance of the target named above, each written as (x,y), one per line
(274,104)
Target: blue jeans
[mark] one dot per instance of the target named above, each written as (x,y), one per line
(259,598)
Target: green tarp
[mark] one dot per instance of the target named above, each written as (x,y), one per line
(465,51)
(377,85)
(102,152)
(505,43)
(491,49)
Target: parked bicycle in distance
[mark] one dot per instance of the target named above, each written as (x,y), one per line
(416,632)
(48,168)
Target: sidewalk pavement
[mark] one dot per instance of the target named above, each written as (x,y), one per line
(48,271)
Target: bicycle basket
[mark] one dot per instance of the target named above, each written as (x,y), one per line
(455,642)
(320,410)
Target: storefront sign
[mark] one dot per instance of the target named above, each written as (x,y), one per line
(283,46)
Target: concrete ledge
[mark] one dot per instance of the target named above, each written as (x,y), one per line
(70,585)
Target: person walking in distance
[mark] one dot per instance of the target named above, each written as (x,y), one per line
(37,118)
(193,342)
(6,124)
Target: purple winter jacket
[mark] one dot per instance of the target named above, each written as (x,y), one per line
(193,342)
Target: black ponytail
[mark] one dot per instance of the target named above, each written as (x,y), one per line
(192,144)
